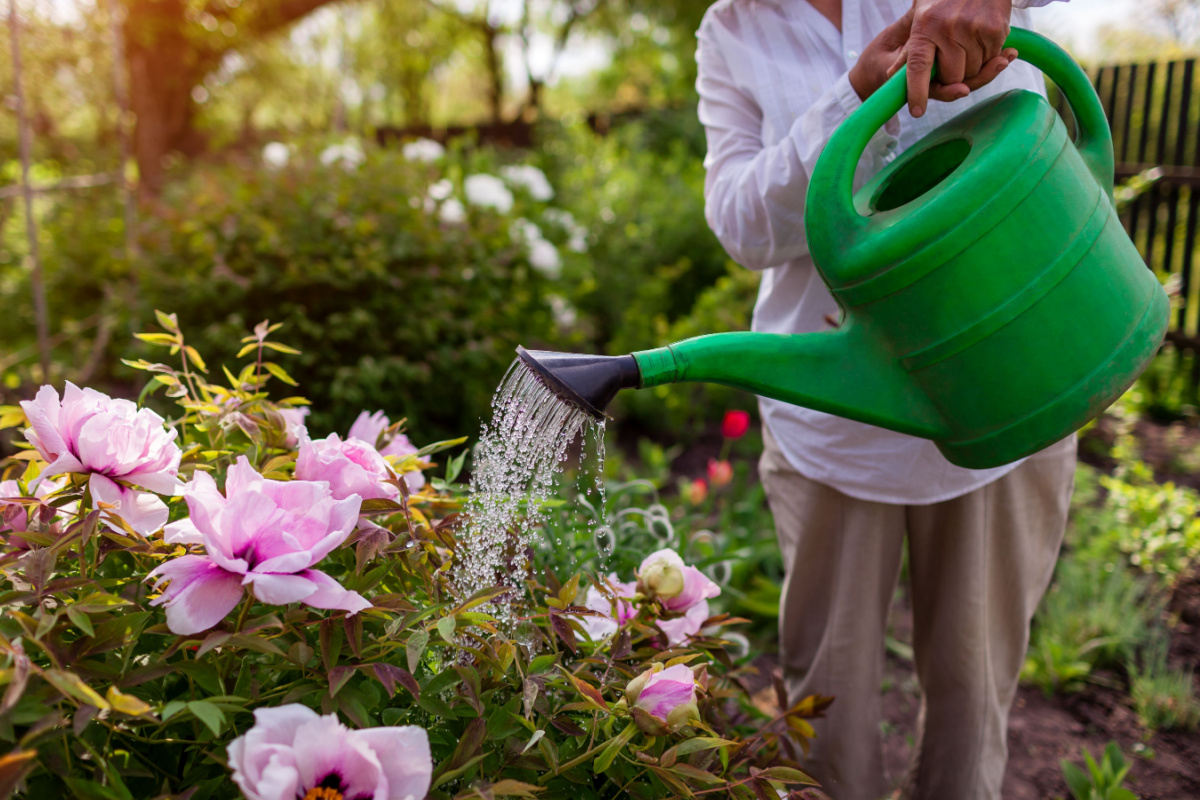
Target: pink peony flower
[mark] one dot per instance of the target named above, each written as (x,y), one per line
(679,588)
(293,421)
(292,753)
(352,467)
(370,427)
(697,491)
(111,440)
(600,628)
(735,424)
(668,695)
(261,533)
(14,516)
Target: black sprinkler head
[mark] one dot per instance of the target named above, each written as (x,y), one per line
(587,381)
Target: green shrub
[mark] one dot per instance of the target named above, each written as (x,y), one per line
(392,308)
(1139,521)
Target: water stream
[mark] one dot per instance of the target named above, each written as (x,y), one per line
(517,466)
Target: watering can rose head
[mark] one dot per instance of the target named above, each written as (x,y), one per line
(663,697)
(291,752)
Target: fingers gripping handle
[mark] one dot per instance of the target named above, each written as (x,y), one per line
(830,204)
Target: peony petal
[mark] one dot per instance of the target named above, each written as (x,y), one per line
(161,482)
(696,587)
(262,760)
(331,594)
(199,594)
(182,532)
(680,630)
(279,590)
(666,690)
(146,513)
(326,747)
(63,464)
(405,757)
(368,428)
(43,414)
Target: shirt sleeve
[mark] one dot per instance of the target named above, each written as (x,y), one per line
(754,192)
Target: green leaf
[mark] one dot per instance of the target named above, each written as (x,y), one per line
(90,790)
(250,348)
(605,759)
(454,466)
(1077,781)
(787,775)
(445,627)
(280,373)
(80,620)
(436,447)
(72,685)
(127,703)
(281,348)
(157,338)
(195,358)
(512,788)
(209,714)
(542,663)
(168,321)
(414,648)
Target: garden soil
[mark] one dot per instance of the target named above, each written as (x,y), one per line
(1042,731)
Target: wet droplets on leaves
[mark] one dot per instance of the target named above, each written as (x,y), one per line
(517,464)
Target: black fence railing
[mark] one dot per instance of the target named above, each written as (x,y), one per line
(1154,112)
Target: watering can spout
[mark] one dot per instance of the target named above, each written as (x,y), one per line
(838,372)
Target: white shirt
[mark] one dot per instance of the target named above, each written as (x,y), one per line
(774,84)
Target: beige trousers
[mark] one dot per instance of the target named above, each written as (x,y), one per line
(979,564)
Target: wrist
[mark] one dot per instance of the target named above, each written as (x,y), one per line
(861,81)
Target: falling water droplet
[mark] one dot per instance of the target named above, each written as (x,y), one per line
(518,461)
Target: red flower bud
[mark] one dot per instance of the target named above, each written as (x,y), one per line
(735,424)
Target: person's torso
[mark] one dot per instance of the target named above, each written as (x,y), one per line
(785,54)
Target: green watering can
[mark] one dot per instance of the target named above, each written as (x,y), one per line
(992,301)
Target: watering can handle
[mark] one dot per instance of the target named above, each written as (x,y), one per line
(833,176)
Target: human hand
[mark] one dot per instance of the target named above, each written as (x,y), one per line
(964,37)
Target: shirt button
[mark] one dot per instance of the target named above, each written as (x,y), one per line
(852,55)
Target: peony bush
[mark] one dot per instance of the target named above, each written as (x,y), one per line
(207,602)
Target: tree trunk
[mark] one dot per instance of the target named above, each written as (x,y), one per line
(163,69)
(495,73)
(166,64)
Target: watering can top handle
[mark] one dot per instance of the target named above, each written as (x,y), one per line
(833,176)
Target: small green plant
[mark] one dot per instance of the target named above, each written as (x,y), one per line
(1165,698)
(1102,781)
(1094,617)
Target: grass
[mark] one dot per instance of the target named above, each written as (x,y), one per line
(1165,698)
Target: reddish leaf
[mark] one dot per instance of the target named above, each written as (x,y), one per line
(389,676)
(472,739)
(564,631)
(338,677)
(568,726)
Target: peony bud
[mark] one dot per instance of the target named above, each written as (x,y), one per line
(720,473)
(697,491)
(667,696)
(661,577)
